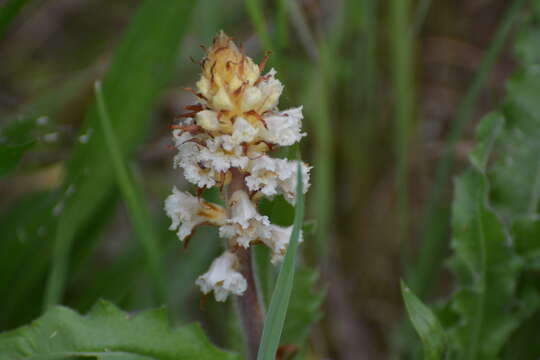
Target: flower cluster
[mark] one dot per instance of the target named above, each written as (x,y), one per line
(226,138)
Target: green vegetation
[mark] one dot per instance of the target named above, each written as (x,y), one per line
(403,186)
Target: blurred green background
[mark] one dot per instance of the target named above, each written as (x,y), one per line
(392,91)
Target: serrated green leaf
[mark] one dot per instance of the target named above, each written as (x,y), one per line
(432,236)
(495,212)
(304,307)
(526,235)
(528,54)
(486,267)
(487,133)
(107,333)
(521,347)
(10,155)
(426,324)
(515,175)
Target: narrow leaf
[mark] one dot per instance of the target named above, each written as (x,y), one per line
(140,216)
(256,13)
(304,307)
(277,312)
(426,324)
(141,67)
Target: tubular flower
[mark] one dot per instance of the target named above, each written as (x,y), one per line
(245,224)
(222,278)
(278,241)
(182,207)
(228,138)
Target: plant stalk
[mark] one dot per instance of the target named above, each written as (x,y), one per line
(249,305)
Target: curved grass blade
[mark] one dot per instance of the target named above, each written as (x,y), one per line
(277,312)
(139,213)
(141,67)
(404,98)
(255,12)
(282,31)
(305,307)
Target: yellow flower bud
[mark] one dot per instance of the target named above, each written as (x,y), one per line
(227,83)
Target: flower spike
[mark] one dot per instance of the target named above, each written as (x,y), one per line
(224,141)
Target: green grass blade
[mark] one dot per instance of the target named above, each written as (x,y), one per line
(321,84)
(319,113)
(426,324)
(142,66)
(8,11)
(282,28)
(433,234)
(420,16)
(139,213)
(280,298)
(255,12)
(402,72)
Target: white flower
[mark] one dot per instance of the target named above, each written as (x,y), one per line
(204,159)
(252,97)
(203,85)
(195,174)
(284,128)
(263,175)
(208,120)
(243,131)
(264,96)
(242,209)
(220,154)
(190,211)
(221,100)
(271,176)
(188,159)
(271,90)
(245,224)
(287,174)
(278,242)
(223,278)
(225,142)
